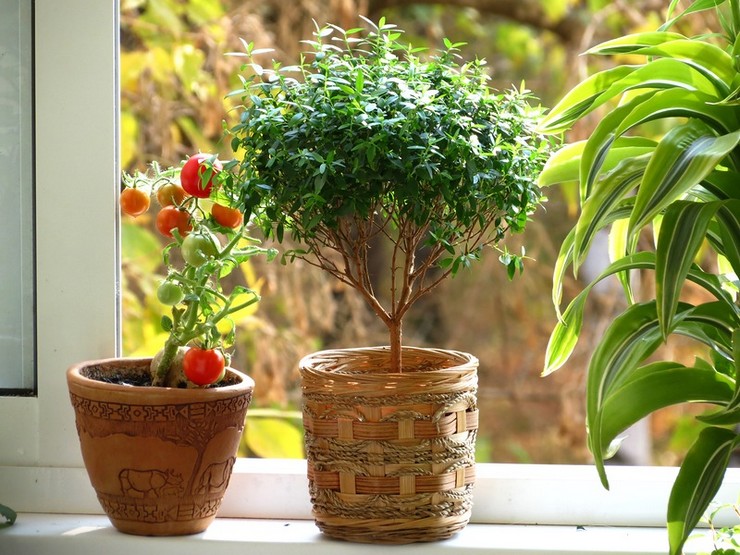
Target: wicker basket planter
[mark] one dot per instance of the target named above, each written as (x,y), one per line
(158,458)
(391,456)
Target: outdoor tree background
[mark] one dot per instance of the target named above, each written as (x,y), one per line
(174,79)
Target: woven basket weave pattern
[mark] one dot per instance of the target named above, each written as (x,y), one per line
(391,457)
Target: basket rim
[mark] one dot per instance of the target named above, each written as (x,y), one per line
(463,359)
(324,372)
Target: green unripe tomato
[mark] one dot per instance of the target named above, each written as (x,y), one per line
(198,247)
(169,293)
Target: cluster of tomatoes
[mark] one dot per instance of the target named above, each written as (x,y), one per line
(197,177)
(196,180)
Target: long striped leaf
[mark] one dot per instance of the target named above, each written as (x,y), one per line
(635,41)
(728,217)
(663,73)
(566,332)
(697,483)
(710,60)
(730,415)
(682,159)
(580,100)
(621,244)
(565,255)
(696,6)
(610,190)
(563,166)
(723,185)
(681,235)
(630,338)
(656,386)
(600,143)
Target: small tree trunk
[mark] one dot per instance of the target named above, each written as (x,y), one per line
(395,329)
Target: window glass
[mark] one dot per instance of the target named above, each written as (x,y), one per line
(16,198)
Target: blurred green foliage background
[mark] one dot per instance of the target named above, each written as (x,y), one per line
(175,75)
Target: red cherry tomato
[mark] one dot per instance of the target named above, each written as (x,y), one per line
(203,366)
(195,170)
(134,202)
(171,217)
(227,217)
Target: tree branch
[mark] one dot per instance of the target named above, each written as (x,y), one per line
(528,12)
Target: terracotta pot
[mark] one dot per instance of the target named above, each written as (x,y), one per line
(159,458)
(391,456)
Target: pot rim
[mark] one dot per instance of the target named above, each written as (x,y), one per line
(76,379)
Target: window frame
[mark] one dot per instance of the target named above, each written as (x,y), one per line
(76,156)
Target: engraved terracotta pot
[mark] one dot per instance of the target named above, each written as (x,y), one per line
(159,458)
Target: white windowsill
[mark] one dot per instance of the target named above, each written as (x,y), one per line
(518,509)
(41,534)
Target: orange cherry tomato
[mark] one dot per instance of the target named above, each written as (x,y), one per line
(171,217)
(134,202)
(227,217)
(171,194)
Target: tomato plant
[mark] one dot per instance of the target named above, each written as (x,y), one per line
(170,293)
(171,217)
(203,366)
(227,217)
(199,168)
(134,202)
(197,247)
(171,194)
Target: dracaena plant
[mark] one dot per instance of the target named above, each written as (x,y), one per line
(365,140)
(209,240)
(681,189)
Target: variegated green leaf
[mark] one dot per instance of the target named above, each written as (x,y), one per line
(694,7)
(629,339)
(562,166)
(579,101)
(656,386)
(663,73)
(710,60)
(683,158)
(565,255)
(681,235)
(635,41)
(609,191)
(697,483)
(565,334)
(728,218)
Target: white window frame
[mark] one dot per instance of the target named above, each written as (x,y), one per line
(76,161)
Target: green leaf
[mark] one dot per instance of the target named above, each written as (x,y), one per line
(697,483)
(684,156)
(663,73)
(632,42)
(655,386)
(728,218)
(564,337)
(9,516)
(710,60)
(271,436)
(629,339)
(580,100)
(606,195)
(681,235)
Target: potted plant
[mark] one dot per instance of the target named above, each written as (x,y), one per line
(366,145)
(159,436)
(680,193)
